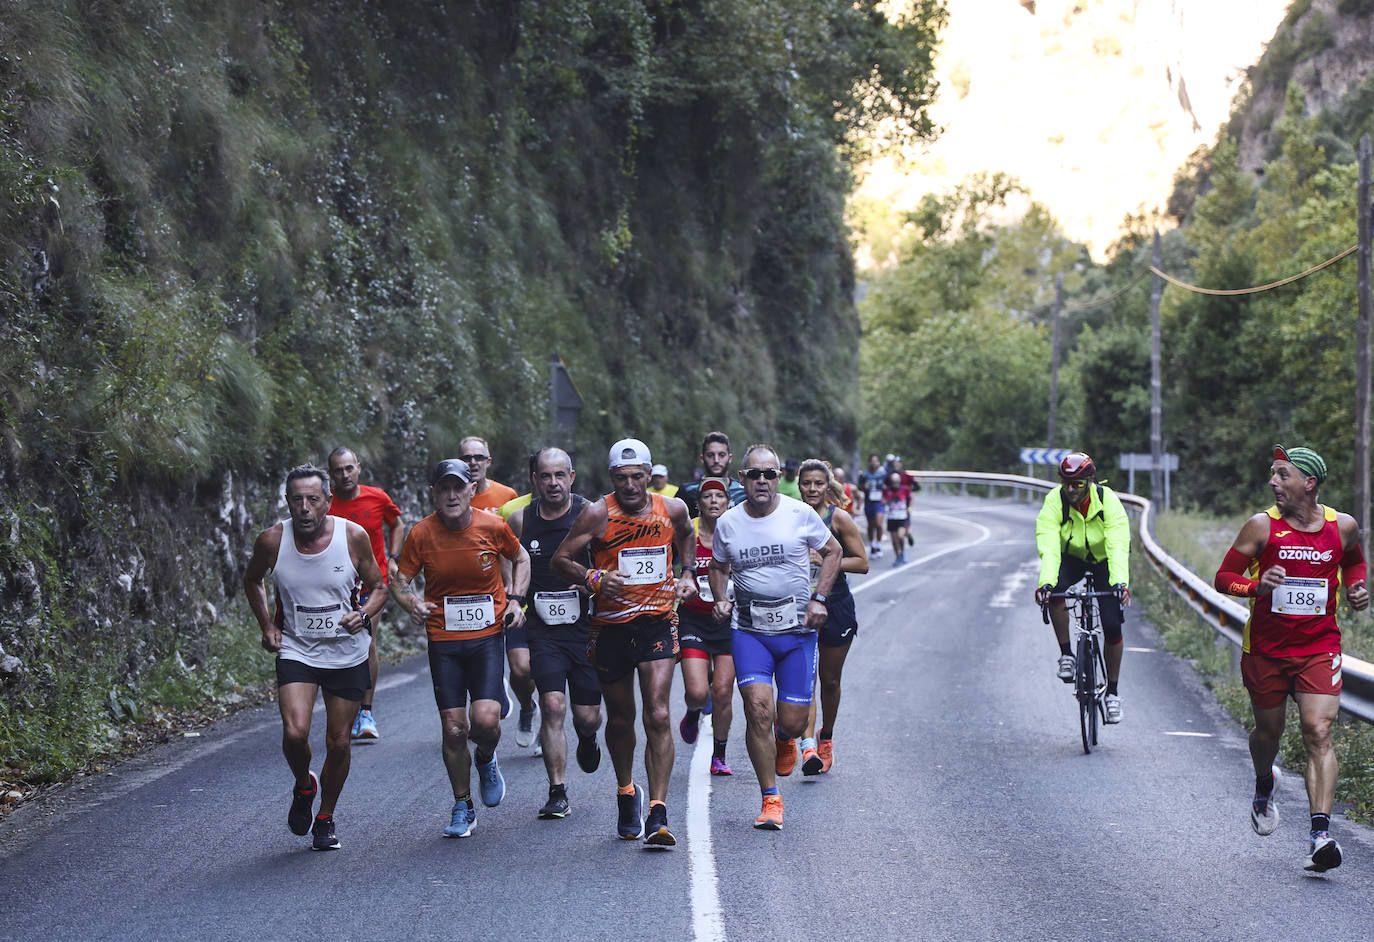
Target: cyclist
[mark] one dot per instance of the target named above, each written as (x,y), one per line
(1082,527)
(1302,553)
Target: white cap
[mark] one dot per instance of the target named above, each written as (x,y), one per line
(629,451)
(658,469)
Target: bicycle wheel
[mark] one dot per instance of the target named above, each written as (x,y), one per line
(1096,701)
(1085,689)
(1100,695)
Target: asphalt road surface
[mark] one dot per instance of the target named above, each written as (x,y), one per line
(961,806)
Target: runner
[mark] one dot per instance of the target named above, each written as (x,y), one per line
(715,461)
(492,495)
(374,510)
(847,504)
(1302,552)
(787,484)
(766,544)
(464,611)
(557,627)
(634,537)
(822,491)
(658,481)
(897,509)
(871,484)
(708,664)
(317,633)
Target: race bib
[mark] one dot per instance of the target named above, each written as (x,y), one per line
(770,616)
(704,589)
(1297,595)
(875,494)
(815,575)
(557,608)
(644,565)
(896,510)
(319,621)
(469,612)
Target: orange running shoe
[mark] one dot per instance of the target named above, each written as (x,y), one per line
(787,756)
(810,759)
(826,750)
(770,818)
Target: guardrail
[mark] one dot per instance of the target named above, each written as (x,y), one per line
(1226,615)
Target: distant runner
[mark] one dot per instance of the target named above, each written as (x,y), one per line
(715,461)
(871,483)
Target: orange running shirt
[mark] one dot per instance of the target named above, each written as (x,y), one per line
(372,508)
(493,497)
(461,568)
(641,547)
(1298,618)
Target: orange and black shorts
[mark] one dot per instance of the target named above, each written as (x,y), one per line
(615,648)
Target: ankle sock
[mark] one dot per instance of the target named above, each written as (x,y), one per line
(718,748)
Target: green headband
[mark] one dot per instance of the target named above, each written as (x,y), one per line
(1305,460)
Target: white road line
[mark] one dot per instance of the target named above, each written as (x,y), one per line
(1181,732)
(986,535)
(708,924)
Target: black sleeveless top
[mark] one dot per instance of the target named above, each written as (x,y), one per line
(840,589)
(541,538)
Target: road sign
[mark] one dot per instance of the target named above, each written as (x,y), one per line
(1044,455)
(1135,461)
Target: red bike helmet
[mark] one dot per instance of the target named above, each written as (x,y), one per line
(1077,467)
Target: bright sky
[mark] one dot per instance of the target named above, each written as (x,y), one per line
(1083,107)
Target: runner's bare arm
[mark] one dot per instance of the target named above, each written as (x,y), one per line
(360,549)
(263,560)
(404,594)
(395,540)
(852,542)
(514,615)
(718,574)
(589,525)
(1354,572)
(684,548)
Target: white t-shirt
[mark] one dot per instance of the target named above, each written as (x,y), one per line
(770,563)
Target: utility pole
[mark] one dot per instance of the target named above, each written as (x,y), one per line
(1156,409)
(1362,288)
(1054,358)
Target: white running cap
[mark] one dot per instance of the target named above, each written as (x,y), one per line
(629,451)
(658,469)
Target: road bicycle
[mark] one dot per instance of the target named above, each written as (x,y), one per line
(1089,668)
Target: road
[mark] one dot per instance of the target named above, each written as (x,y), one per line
(961,805)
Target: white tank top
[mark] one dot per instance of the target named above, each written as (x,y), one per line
(313,592)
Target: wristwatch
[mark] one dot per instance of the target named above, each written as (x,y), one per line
(518,599)
(691,569)
(393,556)
(819,597)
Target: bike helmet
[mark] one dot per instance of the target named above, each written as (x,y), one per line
(1077,467)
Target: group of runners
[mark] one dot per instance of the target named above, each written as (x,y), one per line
(744,585)
(578,600)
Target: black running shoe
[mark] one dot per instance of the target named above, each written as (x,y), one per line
(323,833)
(302,807)
(656,833)
(630,823)
(588,753)
(557,806)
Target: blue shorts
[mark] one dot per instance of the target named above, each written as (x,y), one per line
(466,669)
(841,623)
(791,659)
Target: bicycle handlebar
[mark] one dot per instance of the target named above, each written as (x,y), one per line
(1079,594)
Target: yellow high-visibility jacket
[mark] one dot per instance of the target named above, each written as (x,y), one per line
(1103,533)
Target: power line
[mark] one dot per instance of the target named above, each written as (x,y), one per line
(1258,288)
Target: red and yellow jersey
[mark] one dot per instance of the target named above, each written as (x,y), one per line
(640,547)
(703,561)
(370,509)
(493,497)
(462,570)
(1298,618)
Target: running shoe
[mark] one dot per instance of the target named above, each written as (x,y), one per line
(825,748)
(811,758)
(706,710)
(366,726)
(524,733)
(507,697)
(357,726)
(770,818)
(588,753)
(875,551)
(1264,810)
(718,766)
(897,560)
(630,824)
(302,807)
(656,833)
(1113,705)
(322,835)
(1325,853)
(787,756)
(1065,670)
(492,782)
(910,540)
(689,730)
(462,820)
(557,806)
(538,745)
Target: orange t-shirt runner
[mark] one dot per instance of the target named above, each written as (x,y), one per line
(641,547)
(462,573)
(372,508)
(493,497)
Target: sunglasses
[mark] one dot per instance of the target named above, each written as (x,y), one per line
(474,457)
(753,474)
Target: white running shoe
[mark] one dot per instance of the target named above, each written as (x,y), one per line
(1065,669)
(1113,706)
(1264,812)
(525,730)
(1325,854)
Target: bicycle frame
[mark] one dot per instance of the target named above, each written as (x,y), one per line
(1090,668)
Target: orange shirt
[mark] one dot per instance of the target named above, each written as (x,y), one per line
(493,497)
(641,547)
(370,508)
(461,570)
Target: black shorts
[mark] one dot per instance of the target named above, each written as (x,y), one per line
(516,637)
(466,670)
(347,683)
(893,525)
(698,631)
(559,662)
(615,648)
(841,623)
(1071,571)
